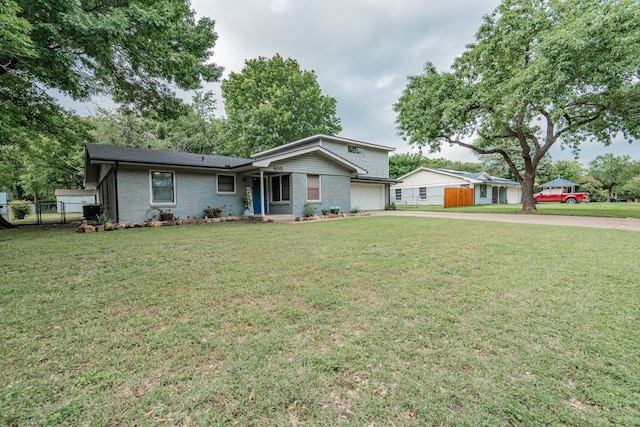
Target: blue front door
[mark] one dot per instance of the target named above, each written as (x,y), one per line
(256,196)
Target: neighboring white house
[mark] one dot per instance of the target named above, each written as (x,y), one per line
(73,200)
(425,186)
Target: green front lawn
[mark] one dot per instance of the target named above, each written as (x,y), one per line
(361,321)
(601,209)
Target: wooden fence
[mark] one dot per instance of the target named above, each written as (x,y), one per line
(454,197)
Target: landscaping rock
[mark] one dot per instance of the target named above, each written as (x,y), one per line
(86,228)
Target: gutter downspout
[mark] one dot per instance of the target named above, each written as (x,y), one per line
(262,195)
(115,190)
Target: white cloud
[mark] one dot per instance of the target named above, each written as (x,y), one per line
(385,82)
(280,6)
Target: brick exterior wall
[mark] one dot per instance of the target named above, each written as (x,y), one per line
(194,191)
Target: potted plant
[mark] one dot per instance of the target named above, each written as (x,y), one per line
(210,212)
(166,215)
(247,202)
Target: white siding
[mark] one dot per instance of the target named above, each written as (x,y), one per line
(311,163)
(374,161)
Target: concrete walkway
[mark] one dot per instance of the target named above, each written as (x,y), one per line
(631,224)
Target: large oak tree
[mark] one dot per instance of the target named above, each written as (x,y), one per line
(136,52)
(539,72)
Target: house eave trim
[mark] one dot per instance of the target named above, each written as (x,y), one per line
(266,162)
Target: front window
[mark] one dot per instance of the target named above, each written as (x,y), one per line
(398,194)
(280,188)
(423,193)
(313,187)
(162,187)
(226,184)
(483,191)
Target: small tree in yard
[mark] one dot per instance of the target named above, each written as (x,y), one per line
(613,171)
(540,71)
(20,208)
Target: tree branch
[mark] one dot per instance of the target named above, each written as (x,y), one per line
(482,151)
(584,121)
(9,66)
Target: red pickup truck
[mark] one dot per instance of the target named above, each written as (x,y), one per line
(558,195)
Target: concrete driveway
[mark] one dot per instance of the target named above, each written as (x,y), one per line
(631,224)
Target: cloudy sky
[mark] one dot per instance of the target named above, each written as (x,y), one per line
(361,52)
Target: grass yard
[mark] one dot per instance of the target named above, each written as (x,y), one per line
(361,321)
(603,209)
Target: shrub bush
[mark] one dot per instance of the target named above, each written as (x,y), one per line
(20,208)
(210,212)
(309,209)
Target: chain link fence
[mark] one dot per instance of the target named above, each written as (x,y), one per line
(52,213)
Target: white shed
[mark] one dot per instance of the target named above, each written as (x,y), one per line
(73,200)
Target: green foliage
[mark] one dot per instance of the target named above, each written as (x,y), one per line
(136,52)
(20,208)
(40,166)
(539,72)
(14,33)
(593,187)
(309,209)
(631,188)
(391,206)
(216,212)
(272,102)
(195,131)
(570,170)
(613,171)
(402,164)
(103,219)
(246,198)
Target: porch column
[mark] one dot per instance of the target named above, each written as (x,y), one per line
(262,194)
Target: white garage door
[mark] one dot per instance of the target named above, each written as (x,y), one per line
(367,197)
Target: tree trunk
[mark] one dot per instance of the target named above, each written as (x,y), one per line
(4,223)
(528,202)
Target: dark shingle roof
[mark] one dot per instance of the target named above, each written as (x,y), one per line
(480,176)
(114,153)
